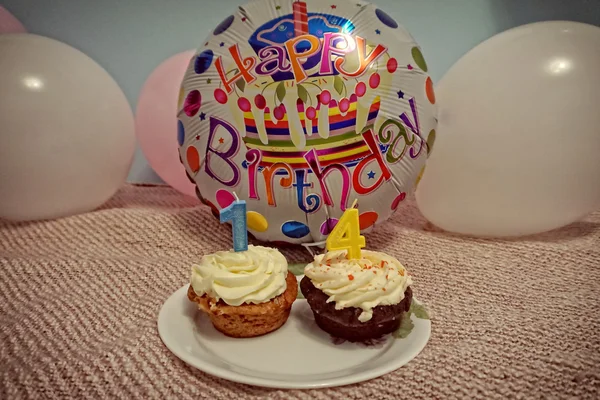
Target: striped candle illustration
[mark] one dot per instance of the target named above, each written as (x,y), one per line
(300,18)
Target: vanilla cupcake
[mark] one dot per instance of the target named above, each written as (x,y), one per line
(357,300)
(245,294)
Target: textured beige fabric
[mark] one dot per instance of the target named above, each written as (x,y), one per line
(79,298)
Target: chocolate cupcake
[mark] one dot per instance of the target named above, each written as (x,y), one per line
(357,300)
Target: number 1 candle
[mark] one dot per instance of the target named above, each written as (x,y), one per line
(346,234)
(236,214)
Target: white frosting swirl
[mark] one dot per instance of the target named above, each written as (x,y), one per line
(376,279)
(253,276)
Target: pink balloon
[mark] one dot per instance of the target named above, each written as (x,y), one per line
(9,24)
(156,121)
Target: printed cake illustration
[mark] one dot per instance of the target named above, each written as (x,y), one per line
(283,119)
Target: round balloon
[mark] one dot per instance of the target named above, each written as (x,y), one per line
(9,23)
(305,108)
(67,132)
(519,134)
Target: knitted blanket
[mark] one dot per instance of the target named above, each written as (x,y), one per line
(79,299)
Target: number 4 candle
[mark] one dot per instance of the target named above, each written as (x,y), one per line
(346,234)
(236,214)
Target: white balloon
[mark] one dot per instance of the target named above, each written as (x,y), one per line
(66,130)
(518,144)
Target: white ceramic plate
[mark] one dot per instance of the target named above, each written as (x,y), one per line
(299,355)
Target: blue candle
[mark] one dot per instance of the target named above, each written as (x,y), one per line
(236,214)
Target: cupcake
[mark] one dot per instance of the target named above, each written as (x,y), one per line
(246,293)
(357,300)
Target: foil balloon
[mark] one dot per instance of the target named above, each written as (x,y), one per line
(307,106)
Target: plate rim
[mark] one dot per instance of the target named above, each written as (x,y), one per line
(223,373)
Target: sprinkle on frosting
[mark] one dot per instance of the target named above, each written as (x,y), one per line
(349,282)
